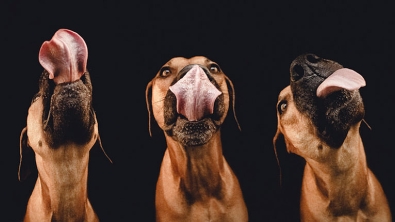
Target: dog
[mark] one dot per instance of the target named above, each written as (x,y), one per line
(61,130)
(319,115)
(189,99)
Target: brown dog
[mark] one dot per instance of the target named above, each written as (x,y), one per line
(61,129)
(190,100)
(319,115)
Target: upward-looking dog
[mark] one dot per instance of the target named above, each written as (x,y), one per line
(61,129)
(190,100)
(319,115)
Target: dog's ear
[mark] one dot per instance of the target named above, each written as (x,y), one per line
(148,102)
(232,98)
(27,163)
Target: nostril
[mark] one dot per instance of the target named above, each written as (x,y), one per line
(312,58)
(297,73)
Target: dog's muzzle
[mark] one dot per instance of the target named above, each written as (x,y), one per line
(67,114)
(193,106)
(328,94)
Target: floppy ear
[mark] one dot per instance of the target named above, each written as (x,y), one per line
(27,163)
(148,102)
(232,98)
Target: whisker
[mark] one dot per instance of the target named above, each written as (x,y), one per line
(161,100)
(99,139)
(367,124)
(23,133)
(147,101)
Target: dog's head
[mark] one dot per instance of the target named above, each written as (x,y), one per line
(321,103)
(61,112)
(189,99)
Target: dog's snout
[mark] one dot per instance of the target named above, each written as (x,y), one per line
(304,65)
(311,58)
(297,72)
(186,69)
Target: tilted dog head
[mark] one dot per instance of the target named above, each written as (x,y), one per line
(189,99)
(321,104)
(61,112)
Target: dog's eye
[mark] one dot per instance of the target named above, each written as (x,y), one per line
(165,71)
(282,106)
(214,68)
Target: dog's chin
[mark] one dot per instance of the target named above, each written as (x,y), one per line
(192,133)
(69,115)
(340,111)
(334,115)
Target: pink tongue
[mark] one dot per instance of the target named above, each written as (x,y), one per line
(195,94)
(64,56)
(341,79)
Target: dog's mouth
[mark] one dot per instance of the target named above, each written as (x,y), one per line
(328,94)
(67,110)
(194,107)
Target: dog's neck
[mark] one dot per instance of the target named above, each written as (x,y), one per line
(60,193)
(343,169)
(61,187)
(199,168)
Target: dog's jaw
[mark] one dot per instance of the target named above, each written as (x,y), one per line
(337,112)
(67,113)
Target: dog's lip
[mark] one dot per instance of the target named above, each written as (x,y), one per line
(343,78)
(183,120)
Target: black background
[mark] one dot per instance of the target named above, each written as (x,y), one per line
(254,43)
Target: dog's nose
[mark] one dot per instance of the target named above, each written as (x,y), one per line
(311,58)
(309,65)
(303,65)
(187,68)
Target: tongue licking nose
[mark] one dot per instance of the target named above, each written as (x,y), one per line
(64,56)
(341,79)
(195,94)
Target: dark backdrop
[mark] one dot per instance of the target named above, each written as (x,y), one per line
(254,43)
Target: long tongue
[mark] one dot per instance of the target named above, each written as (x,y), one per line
(64,56)
(341,79)
(195,94)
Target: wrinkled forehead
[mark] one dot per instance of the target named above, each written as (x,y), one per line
(180,62)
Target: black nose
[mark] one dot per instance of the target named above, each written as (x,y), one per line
(311,58)
(184,71)
(302,65)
